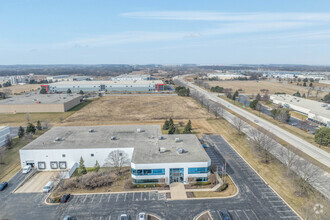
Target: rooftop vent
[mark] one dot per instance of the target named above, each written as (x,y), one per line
(112,138)
(177,140)
(139,130)
(91,130)
(162,149)
(180,150)
(160,137)
(58,139)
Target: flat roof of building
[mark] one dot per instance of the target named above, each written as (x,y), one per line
(33,98)
(146,143)
(121,82)
(315,107)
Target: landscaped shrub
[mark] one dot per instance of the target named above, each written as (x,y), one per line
(223,187)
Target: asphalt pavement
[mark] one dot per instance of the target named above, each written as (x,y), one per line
(255,199)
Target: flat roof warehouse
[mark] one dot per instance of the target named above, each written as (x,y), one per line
(39,99)
(145,140)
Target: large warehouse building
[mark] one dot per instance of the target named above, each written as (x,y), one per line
(4,132)
(152,157)
(107,86)
(318,112)
(39,103)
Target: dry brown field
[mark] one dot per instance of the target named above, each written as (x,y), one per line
(254,87)
(16,89)
(137,109)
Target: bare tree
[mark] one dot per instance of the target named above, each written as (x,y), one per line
(46,124)
(7,92)
(282,116)
(2,155)
(290,158)
(239,124)
(309,175)
(8,141)
(117,159)
(27,117)
(263,143)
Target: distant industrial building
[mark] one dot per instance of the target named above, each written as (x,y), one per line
(107,86)
(316,111)
(224,76)
(4,132)
(131,77)
(39,103)
(153,157)
(60,78)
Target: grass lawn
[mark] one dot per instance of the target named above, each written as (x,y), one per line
(11,159)
(230,191)
(273,173)
(20,119)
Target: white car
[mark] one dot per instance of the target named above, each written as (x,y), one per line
(142,216)
(27,169)
(123,217)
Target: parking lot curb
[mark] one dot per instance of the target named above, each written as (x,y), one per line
(159,191)
(202,213)
(263,179)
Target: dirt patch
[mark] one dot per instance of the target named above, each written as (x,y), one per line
(254,87)
(17,89)
(121,109)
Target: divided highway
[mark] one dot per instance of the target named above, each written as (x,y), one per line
(309,149)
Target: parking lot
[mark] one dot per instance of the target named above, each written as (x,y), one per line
(36,183)
(117,197)
(220,152)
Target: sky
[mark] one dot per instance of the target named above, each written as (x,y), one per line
(165,32)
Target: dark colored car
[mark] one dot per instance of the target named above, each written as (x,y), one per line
(3,185)
(225,215)
(65,198)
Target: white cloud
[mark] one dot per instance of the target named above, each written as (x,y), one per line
(220,16)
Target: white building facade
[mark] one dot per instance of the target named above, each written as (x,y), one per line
(152,159)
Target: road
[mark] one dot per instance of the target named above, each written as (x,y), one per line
(254,201)
(309,149)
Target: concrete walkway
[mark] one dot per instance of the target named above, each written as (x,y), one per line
(178,191)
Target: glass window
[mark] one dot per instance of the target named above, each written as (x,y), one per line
(146,181)
(202,179)
(198,170)
(148,172)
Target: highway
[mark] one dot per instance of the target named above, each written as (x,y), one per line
(309,149)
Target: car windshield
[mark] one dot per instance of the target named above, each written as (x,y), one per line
(46,187)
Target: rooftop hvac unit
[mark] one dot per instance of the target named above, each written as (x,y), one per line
(177,139)
(58,139)
(91,130)
(112,138)
(139,130)
(160,137)
(162,149)
(180,150)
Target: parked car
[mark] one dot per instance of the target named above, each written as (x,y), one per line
(27,169)
(3,185)
(225,215)
(142,216)
(123,217)
(65,198)
(48,186)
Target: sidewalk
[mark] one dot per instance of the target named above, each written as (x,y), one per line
(178,191)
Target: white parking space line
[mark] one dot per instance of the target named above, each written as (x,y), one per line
(109,200)
(289,217)
(133,197)
(149,195)
(93,198)
(76,199)
(109,217)
(101,198)
(117,197)
(125,197)
(85,199)
(279,206)
(236,214)
(246,215)
(141,196)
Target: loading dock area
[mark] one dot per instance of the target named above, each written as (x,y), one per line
(37,182)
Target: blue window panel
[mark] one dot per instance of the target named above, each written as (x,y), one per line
(198,170)
(148,172)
